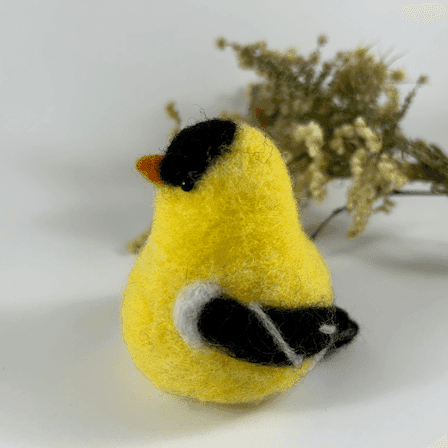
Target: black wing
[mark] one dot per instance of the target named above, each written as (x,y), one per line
(242,333)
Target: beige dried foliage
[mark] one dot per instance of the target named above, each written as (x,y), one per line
(329,123)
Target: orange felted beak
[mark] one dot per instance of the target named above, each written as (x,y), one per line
(147,166)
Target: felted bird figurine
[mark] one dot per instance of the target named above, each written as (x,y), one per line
(229,300)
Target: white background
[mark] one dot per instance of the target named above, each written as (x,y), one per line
(83,88)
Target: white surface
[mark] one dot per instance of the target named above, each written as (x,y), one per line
(83,87)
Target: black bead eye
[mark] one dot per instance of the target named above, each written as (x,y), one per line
(187,185)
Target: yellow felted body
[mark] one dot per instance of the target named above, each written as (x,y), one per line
(241,228)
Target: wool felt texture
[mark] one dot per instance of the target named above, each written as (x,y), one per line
(229,301)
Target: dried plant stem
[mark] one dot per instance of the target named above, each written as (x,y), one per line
(322,226)
(415,193)
(339,210)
